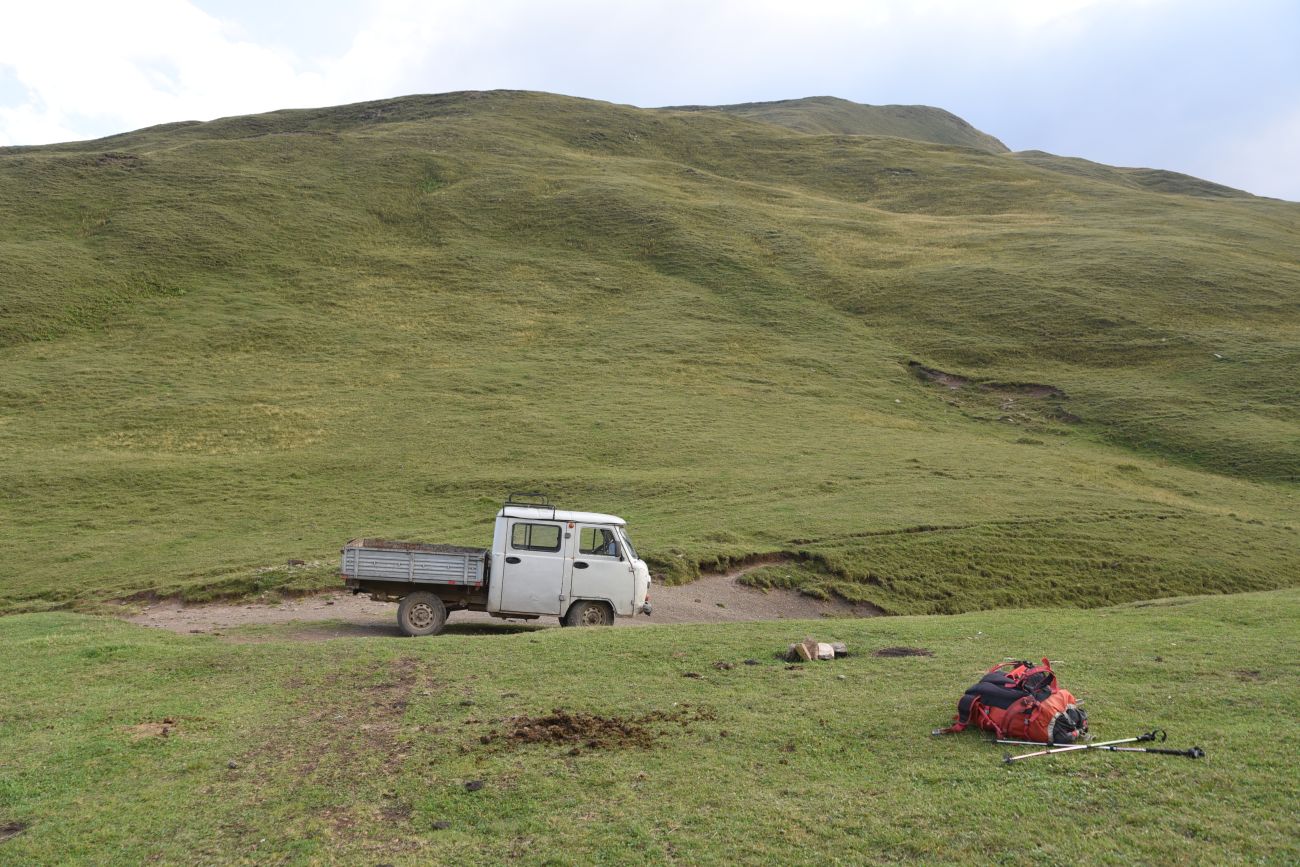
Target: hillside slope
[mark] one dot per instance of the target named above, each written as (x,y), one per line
(1157,180)
(828,115)
(230,343)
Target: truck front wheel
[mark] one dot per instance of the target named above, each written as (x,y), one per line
(589,614)
(421,613)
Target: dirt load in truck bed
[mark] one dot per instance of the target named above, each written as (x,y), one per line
(426,547)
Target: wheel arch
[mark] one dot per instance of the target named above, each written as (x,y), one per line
(604,600)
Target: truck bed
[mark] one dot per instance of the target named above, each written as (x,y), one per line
(415,562)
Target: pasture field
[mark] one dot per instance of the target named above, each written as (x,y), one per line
(130,745)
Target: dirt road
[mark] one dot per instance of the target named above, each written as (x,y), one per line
(711,599)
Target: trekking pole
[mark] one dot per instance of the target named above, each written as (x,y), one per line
(1193,753)
(1154,734)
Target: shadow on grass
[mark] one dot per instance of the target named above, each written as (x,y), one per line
(454,628)
(329,629)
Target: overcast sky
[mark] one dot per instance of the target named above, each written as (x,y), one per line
(1208,88)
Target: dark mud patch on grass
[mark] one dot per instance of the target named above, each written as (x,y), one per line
(588,731)
(9,830)
(902,651)
(399,811)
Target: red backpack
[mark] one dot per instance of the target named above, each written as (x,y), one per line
(1022,701)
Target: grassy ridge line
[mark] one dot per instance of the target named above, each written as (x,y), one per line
(827,115)
(352,749)
(262,336)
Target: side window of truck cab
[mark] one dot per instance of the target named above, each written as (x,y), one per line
(597,542)
(535,537)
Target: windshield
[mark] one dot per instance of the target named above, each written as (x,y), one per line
(631,551)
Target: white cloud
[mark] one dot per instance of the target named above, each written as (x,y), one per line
(88,66)
(1117,80)
(27,123)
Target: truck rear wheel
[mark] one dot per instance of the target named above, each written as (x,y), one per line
(589,614)
(421,613)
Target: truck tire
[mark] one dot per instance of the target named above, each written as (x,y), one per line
(421,613)
(589,614)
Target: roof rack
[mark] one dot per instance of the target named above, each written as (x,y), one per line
(529,498)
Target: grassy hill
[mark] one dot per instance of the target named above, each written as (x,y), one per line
(945,378)
(129,745)
(827,115)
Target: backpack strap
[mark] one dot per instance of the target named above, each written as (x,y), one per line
(988,718)
(1040,681)
(964,706)
(964,720)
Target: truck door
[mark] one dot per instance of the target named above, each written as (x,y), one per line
(601,569)
(533,577)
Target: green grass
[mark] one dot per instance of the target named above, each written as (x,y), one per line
(349,751)
(229,344)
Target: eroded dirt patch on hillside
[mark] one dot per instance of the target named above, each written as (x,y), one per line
(1020,402)
(957,382)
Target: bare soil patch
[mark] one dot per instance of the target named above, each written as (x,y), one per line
(902,651)
(11,829)
(595,732)
(710,599)
(588,729)
(160,729)
(929,374)
(956,382)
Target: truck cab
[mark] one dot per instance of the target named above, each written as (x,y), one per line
(579,566)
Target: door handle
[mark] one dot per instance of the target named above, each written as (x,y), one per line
(578,564)
(512,559)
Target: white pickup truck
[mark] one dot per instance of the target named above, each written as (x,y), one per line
(578,566)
